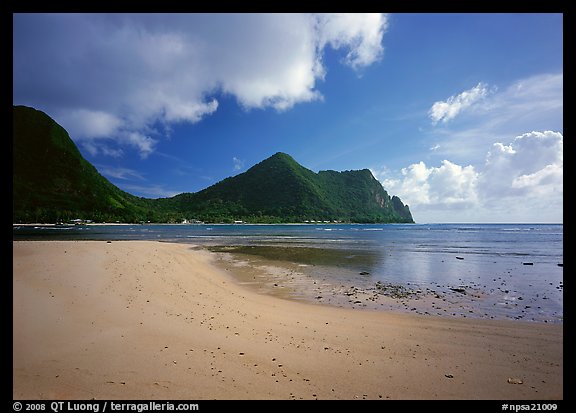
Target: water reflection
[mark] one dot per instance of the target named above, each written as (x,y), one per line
(355,260)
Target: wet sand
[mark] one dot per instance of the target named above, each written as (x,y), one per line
(151,320)
(339,278)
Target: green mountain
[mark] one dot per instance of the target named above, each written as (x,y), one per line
(53,182)
(279,189)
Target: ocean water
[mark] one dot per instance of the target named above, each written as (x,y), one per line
(502,271)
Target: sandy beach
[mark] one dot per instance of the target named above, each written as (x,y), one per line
(153,320)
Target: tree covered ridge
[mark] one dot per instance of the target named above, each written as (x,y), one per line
(52,182)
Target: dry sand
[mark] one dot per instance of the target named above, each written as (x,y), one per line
(151,320)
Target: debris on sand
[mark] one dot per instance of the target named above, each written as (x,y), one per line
(513,380)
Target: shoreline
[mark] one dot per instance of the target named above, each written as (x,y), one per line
(290,223)
(304,282)
(158,320)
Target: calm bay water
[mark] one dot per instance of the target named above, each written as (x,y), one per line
(497,270)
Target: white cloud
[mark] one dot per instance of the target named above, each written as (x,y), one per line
(125,77)
(120,172)
(535,102)
(144,144)
(150,191)
(448,185)
(191,112)
(135,182)
(549,87)
(548,178)
(520,178)
(531,165)
(238,164)
(96,124)
(451,107)
(532,103)
(361,33)
(519,181)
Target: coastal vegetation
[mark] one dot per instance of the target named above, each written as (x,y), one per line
(52,182)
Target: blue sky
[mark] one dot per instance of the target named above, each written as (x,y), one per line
(461,115)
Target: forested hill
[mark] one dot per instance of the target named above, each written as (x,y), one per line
(280,189)
(52,182)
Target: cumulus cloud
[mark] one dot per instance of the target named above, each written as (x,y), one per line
(128,77)
(520,179)
(532,164)
(443,111)
(449,185)
(531,103)
(360,33)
